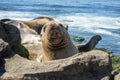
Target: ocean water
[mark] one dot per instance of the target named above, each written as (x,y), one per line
(84,17)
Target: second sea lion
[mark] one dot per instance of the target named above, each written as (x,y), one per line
(37,23)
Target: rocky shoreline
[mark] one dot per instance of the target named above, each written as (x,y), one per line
(22,61)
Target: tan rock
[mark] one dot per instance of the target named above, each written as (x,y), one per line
(93,65)
(34,51)
(117,77)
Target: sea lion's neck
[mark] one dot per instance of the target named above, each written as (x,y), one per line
(57,47)
(52,54)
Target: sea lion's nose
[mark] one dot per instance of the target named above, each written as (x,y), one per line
(55,34)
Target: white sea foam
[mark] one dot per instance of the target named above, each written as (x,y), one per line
(92,21)
(102,31)
(87,22)
(14,15)
(95,24)
(18,15)
(118,43)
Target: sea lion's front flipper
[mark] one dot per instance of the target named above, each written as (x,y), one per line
(90,45)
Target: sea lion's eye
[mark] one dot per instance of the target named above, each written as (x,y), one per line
(63,26)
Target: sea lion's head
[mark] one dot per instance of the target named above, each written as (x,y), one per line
(53,35)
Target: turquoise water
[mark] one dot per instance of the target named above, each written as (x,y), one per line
(84,17)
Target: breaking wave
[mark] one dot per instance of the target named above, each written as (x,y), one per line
(92,23)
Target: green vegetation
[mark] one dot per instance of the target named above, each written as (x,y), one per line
(105,50)
(116,59)
(22,51)
(116,63)
(76,38)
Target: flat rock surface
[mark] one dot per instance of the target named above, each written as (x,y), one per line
(117,77)
(93,65)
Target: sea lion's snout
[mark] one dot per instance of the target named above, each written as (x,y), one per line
(55,34)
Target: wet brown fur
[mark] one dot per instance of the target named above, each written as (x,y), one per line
(37,23)
(52,53)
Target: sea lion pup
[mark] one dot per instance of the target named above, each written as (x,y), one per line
(37,23)
(56,42)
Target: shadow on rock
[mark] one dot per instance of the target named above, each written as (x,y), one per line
(2,66)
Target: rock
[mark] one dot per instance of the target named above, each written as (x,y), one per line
(114,75)
(5,50)
(3,34)
(93,65)
(34,51)
(31,42)
(3,46)
(117,77)
(9,33)
(76,38)
(16,33)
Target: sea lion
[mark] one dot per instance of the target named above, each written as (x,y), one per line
(37,23)
(56,42)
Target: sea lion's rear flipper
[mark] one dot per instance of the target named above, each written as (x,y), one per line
(90,45)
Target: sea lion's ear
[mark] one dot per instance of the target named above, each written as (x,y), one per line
(65,26)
